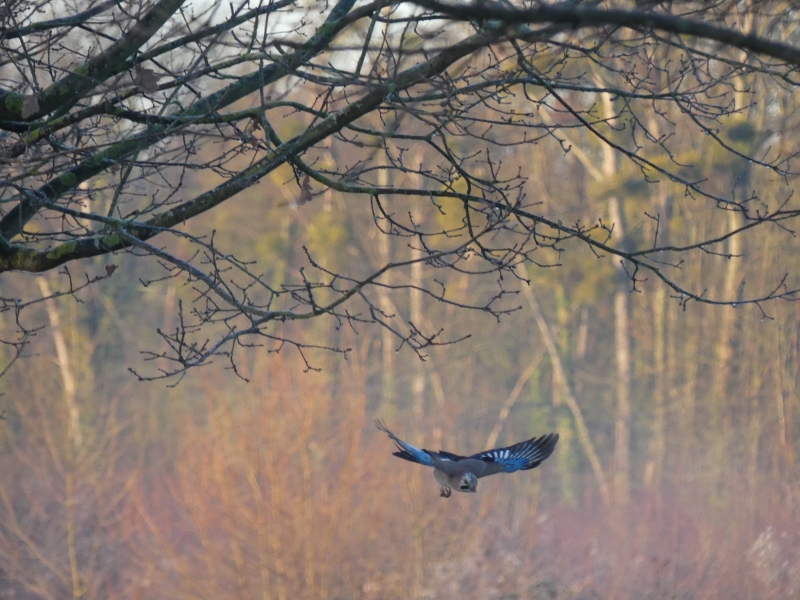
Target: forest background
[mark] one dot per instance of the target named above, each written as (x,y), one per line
(675,473)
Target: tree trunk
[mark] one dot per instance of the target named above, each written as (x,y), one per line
(387,340)
(622,422)
(657,441)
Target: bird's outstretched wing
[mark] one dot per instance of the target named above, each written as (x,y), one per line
(406,451)
(519,457)
(449,456)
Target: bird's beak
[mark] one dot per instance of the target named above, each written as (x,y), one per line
(474,491)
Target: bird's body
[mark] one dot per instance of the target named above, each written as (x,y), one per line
(461,473)
(461,479)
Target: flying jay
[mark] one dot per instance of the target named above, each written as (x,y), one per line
(461,473)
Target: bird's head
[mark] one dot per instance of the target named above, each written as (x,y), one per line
(468,483)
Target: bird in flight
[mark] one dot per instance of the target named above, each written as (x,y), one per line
(461,473)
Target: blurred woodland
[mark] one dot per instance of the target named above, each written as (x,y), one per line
(258,473)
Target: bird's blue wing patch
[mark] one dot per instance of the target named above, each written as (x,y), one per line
(525,455)
(406,451)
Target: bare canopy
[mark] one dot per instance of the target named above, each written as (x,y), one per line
(127,126)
